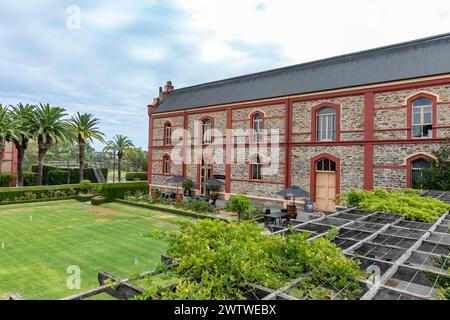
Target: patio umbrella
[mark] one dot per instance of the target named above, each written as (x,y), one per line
(212,182)
(176,180)
(294,192)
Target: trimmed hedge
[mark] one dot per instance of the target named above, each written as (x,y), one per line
(29,178)
(41,192)
(171,210)
(110,191)
(6,179)
(113,191)
(133,176)
(35,201)
(84,197)
(96,201)
(57,178)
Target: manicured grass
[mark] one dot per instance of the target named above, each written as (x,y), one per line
(60,234)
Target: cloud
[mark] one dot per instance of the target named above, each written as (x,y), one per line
(125,50)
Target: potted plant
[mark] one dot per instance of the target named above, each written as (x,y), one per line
(214,188)
(154,193)
(187,185)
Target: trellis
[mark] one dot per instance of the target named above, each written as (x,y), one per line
(401,254)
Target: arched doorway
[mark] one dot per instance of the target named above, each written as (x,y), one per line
(325,184)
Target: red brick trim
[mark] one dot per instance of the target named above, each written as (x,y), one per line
(409,113)
(150,110)
(409,166)
(312,173)
(288,149)
(314,111)
(228,150)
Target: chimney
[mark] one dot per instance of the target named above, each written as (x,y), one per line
(168,88)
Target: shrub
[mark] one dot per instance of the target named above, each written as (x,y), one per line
(41,192)
(407,203)
(6,179)
(231,256)
(85,186)
(438,176)
(112,191)
(188,184)
(134,176)
(239,204)
(253,213)
(29,178)
(98,200)
(46,170)
(82,197)
(57,177)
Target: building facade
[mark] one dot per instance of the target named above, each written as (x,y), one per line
(9,159)
(366,120)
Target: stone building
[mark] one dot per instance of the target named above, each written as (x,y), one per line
(9,159)
(368,119)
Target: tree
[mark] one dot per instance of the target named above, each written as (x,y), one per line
(123,146)
(8,130)
(239,204)
(23,115)
(85,130)
(49,127)
(438,176)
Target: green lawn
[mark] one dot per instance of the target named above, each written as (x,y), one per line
(109,238)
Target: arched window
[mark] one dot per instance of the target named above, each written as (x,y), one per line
(422,109)
(256,168)
(168,133)
(257,126)
(326,124)
(417,169)
(207,126)
(325,165)
(166,164)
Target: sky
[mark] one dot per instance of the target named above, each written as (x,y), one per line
(109,57)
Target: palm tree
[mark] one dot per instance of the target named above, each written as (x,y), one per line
(123,146)
(49,127)
(84,128)
(8,130)
(23,115)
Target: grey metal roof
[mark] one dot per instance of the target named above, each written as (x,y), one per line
(413,59)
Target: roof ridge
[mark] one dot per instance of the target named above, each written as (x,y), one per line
(320,61)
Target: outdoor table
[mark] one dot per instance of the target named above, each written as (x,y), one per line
(277,215)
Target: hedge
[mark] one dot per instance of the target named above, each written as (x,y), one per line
(110,191)
(35,201)
(96,201)
(29,178)
(113,191)
(41,192)
(57,178)
(133,176)
(46,170)
(170,210)
(6,179)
